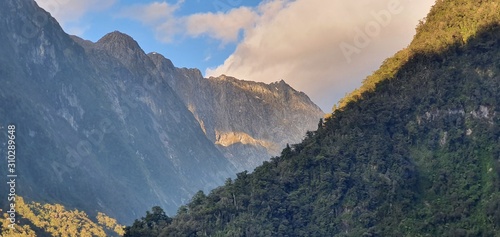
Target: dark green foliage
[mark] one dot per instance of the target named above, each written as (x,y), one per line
(417,156)
(149,225)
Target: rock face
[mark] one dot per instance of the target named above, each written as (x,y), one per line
(105,127)
(248,121)
(97,127)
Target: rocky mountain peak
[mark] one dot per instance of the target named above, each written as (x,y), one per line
(161,62)
(127,51)
(164,140)
(122,47)
(191,72)
(117,40)
(155,145)
(222,77)
(281,84)
(248,121)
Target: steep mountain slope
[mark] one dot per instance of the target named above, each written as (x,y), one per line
(97,127)
(444,26)
(248,121)
(101,129)
(415,155)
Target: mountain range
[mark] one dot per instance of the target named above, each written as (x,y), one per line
(104,127)
(413,152)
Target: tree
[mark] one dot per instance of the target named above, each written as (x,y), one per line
(150,225)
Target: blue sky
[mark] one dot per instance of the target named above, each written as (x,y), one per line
(201,52)
(322,47)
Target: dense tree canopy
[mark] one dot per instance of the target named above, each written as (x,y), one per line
(415,153)
(34,219)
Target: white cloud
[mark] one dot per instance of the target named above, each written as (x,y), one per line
(221,26)
(299,41)
(161,17)
(158,15)
(69,12)
(295,40)
(153,13)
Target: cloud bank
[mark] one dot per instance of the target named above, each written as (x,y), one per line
(158,15)
(222,26)
(322,47)
(301,42)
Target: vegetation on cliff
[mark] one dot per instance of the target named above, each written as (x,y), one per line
(414,152)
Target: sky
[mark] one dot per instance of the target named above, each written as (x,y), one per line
(325,48)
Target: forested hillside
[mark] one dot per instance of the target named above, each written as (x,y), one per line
(414,152)
(449,24)
(35,219)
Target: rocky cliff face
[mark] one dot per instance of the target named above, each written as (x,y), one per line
(104,127)
(248,121)
(97,126)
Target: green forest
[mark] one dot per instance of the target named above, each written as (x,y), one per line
(55,220)
(413,152)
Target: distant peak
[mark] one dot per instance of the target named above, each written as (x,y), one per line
(223,77)
(122,47)
(116,33)
(156,55)
(119,39)
(160,61)
(193,72)
(281,83)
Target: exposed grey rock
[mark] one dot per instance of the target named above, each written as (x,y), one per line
(248,121)
(97,127)
(104,127)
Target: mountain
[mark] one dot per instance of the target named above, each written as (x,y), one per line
(100,129)
(97,127)
(248,121)
(413,154)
